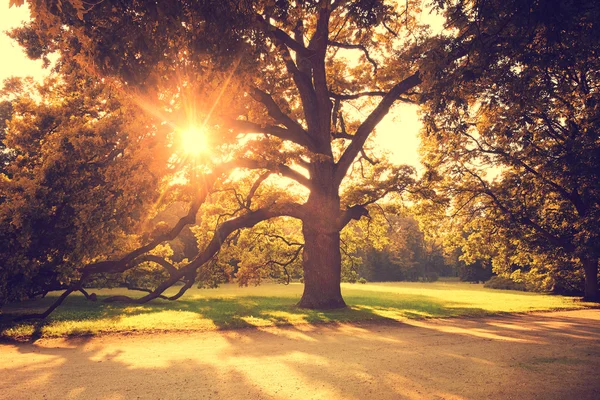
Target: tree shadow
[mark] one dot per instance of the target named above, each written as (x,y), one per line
(498,357)
(82,317)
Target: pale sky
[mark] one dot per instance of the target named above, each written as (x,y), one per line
(14,61)
(397,133)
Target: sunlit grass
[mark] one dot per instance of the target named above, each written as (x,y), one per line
(232,307)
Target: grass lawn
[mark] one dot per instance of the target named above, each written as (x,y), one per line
(232,307)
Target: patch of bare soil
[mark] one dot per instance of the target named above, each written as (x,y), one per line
(535,356)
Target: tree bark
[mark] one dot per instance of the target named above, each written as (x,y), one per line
(321,254)
(590,267)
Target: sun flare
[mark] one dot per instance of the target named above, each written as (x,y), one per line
(194,141)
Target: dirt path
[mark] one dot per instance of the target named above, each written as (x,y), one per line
(537,356)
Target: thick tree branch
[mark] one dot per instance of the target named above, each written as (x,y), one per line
(157,260)
(124,263)
(221,233)
(276,113)
(303,82)
(53,307)
(305,87)
(318,43)
(301,138)
(75,287)
(355,212)
(283,37)
(365,129)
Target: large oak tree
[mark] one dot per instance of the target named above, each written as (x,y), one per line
(282,87)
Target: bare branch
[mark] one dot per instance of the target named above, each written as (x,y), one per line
(354,96)
(285,264)
(356,47)
(519,219)
(341,135)
(318,43)
(255,187)
(283,239)
(241,126)
(369,160)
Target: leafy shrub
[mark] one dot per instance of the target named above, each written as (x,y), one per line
(564,280)
(362,280)
(350,276)
(476,272)
(500,282)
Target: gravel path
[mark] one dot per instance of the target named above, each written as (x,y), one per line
(535,356)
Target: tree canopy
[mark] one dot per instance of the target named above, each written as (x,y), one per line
(78,184)
(512,137)
(275,86)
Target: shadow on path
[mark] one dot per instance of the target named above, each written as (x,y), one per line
(545,356)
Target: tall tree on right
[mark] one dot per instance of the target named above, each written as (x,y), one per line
(512,128)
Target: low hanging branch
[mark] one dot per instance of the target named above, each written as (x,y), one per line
(58,302)
(139,255)
(157,260)
(221,233)
(125,262)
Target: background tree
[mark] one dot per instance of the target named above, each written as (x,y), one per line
(512,133)
(402,252)
(80,176)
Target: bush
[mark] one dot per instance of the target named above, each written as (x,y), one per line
(500,282)
(350,276)
(476,272)
(431,277)
(362,280)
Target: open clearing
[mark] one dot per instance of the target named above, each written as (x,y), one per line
(536,356)
(232,307)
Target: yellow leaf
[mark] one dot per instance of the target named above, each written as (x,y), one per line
(17,3)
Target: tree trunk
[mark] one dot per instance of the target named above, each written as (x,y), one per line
(322,267)
(590,267)
(322,261)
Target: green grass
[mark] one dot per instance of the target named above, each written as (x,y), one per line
(232,307)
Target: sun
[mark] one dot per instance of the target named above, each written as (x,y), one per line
(194,141)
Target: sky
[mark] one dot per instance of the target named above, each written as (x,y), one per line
(14,61)
(396,134)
